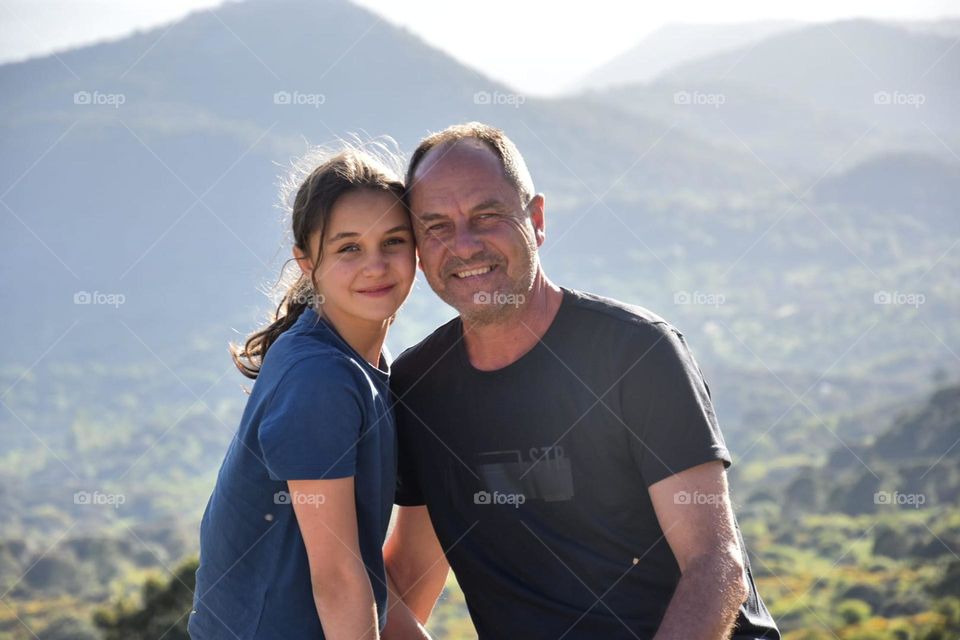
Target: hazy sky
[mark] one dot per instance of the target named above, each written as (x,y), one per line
(523,43)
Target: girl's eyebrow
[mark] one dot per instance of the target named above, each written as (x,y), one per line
(355,234)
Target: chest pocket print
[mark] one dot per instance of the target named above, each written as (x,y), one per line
(548,478)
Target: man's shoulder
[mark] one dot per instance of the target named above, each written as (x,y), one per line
(419,358)
(598,311)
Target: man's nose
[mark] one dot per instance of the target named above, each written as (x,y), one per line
(465,243)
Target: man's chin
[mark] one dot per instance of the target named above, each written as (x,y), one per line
(485,314)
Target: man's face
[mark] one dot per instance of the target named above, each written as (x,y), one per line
(477,244)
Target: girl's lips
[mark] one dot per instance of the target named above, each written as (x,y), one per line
(378,292)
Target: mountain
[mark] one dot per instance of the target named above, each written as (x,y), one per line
(878,72)
(813,100)
(920,186)
(138,217)
(947,27)
(169,143)
(673,44)
(915,457)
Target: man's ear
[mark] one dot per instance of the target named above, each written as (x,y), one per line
(306,264)
(538,217)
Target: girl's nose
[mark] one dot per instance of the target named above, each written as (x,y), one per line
(376,265)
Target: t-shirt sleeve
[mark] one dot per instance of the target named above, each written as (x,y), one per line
(310,429)
(409,493)
(667,407)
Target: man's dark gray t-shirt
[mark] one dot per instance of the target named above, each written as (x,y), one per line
(536,474)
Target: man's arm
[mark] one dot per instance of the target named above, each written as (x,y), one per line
(694,511)
(415,562)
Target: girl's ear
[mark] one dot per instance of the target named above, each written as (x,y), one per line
(306,264)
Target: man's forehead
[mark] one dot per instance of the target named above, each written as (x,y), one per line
(450,160)
(462,195)
(461,172)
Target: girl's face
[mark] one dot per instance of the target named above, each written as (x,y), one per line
(368,259)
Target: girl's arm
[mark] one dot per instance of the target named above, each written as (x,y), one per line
(326,513)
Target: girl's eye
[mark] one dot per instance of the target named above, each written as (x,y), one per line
(395,241)
(350,248)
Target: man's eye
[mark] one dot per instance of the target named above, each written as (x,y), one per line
(435,227)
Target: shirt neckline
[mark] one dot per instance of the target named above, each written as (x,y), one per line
(310,320)
(539,346)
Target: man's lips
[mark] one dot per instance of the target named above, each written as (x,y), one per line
(377,291)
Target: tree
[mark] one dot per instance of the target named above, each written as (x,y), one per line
(163,611)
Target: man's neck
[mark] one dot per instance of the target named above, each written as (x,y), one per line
(492,346)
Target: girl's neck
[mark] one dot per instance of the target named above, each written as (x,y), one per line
(366,337)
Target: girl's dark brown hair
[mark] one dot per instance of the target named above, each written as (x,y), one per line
(317,181)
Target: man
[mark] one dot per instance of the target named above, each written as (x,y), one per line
(563,445)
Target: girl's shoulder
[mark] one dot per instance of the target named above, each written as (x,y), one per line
(310,360)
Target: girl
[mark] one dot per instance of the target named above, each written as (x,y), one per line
(290,542)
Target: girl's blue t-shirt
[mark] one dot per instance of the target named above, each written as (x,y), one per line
(317,411)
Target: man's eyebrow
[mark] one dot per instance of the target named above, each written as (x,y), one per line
(354,234)
(430,216)
(490,203)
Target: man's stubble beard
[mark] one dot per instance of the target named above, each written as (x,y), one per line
(520,289)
